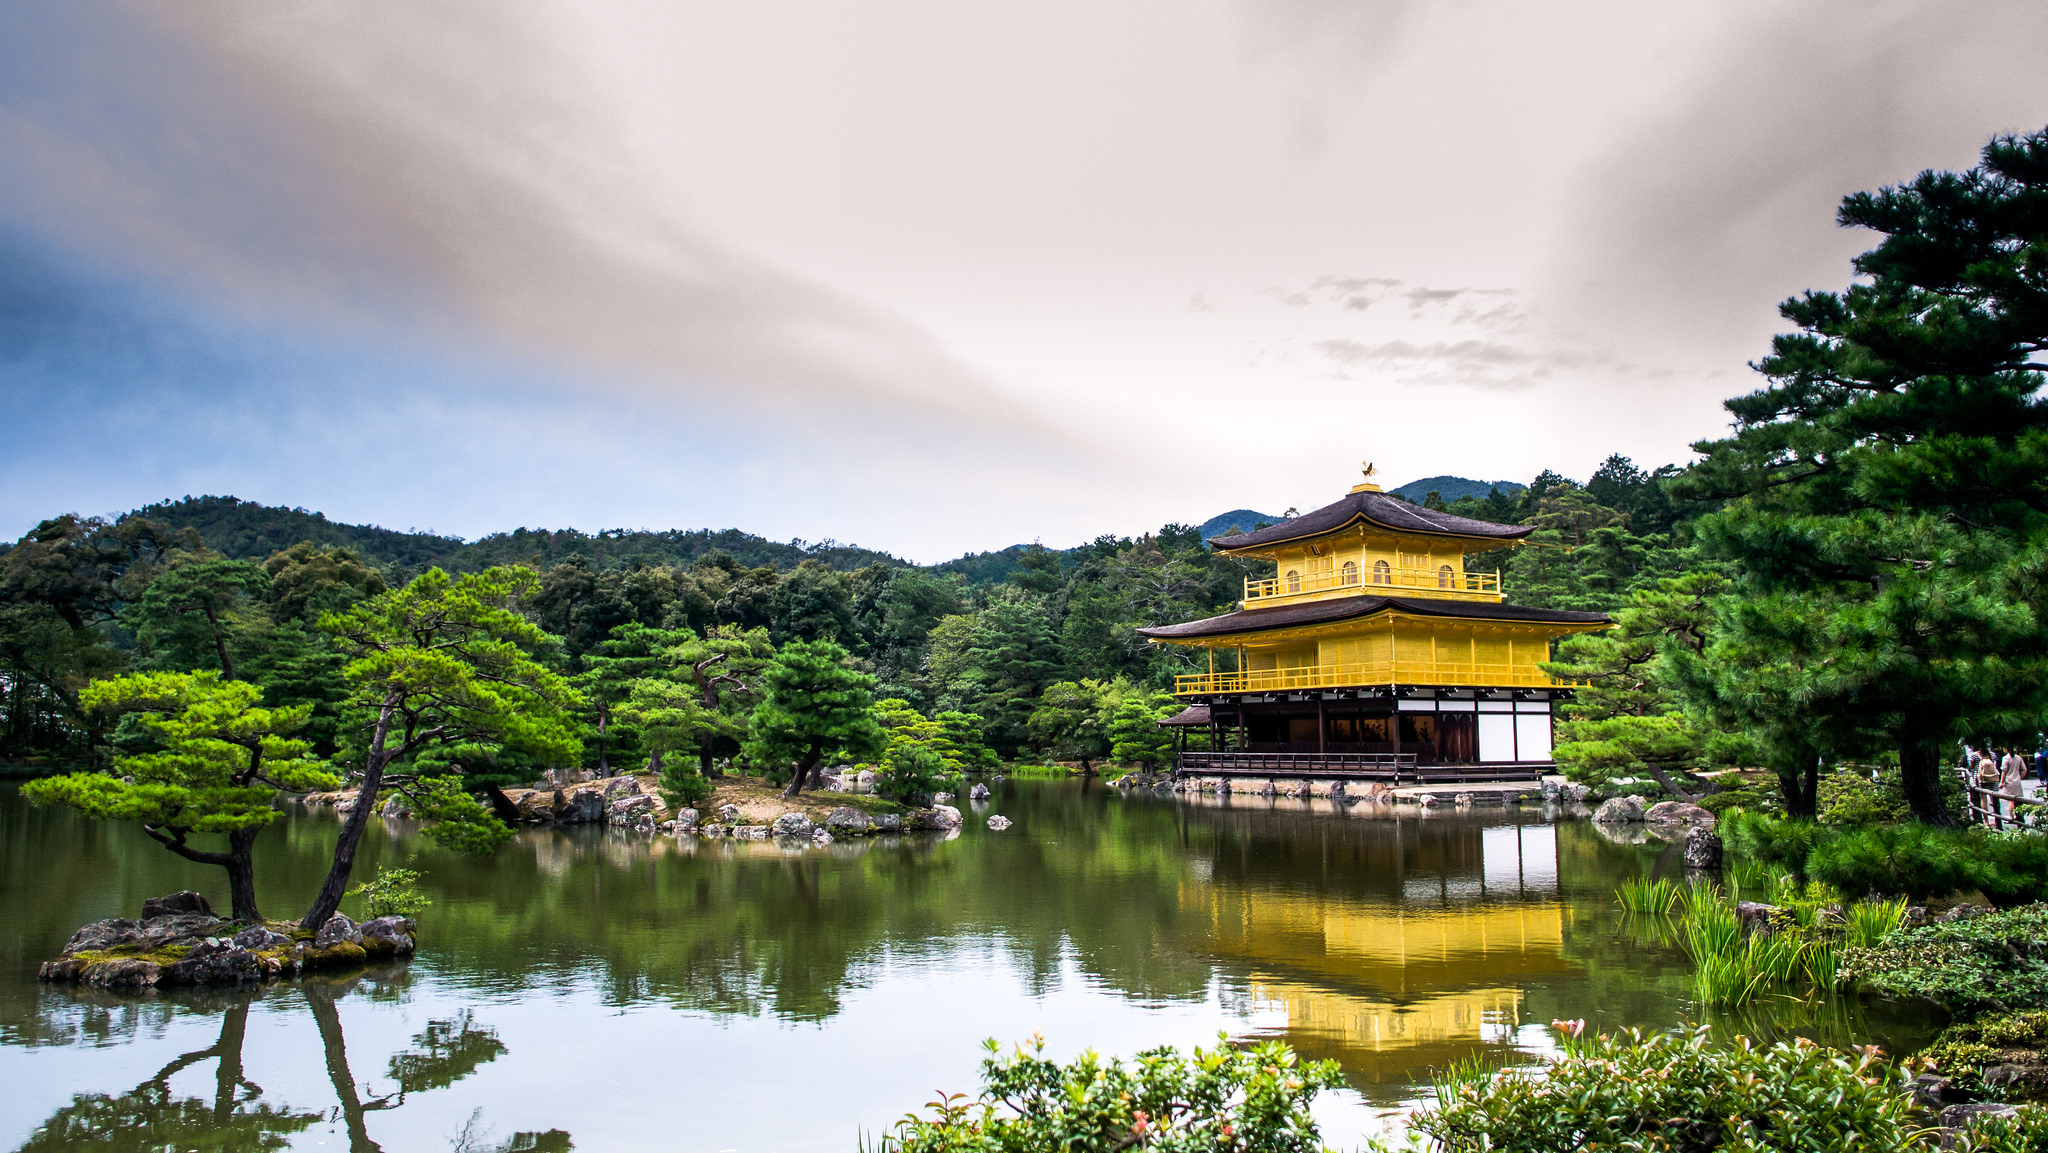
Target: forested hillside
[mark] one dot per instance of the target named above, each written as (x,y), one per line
(235,586)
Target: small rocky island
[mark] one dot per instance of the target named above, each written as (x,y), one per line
(179,941)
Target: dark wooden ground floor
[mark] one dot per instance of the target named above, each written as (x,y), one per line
(1406,732)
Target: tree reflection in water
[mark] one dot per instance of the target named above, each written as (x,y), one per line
(152,1117)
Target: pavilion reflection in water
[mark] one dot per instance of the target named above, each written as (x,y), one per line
(1390,989)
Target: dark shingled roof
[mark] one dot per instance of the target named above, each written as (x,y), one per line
(1346,608)
(1192,715)
(1379,508)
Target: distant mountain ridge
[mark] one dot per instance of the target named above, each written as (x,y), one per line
(1236,521)
(248,530)
(1451,488)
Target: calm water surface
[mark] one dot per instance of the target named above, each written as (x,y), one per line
(595,988)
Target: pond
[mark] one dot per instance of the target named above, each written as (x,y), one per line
(605,991)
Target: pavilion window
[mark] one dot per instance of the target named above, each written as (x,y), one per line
(1293,581)
(1443,577)
(1351,572)
(1382,573)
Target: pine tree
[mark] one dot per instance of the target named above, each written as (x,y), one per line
(1890,486)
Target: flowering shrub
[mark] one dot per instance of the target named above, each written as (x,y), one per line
(1218,1100)
(1677,1092)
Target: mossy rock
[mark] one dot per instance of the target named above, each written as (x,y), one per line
(336,956)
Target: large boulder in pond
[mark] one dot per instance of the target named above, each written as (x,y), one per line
(627,810)
(1702,848)
(1679,813)
(978,793)
(791,825)
(585,806)
(998,823)
(388,936)
(175,904)
(1620,811)
(728,814)
(338,930)
(847,819)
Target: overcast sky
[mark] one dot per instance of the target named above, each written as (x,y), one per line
(925,276)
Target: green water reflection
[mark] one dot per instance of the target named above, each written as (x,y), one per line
(1391,943)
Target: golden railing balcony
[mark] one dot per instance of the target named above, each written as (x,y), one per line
(1439,583)
(1400,672)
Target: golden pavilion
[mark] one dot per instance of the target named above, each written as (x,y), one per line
(1372,651)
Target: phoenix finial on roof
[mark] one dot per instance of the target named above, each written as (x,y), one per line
(1369,470)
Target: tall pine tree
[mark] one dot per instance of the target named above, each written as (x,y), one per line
(1889,488)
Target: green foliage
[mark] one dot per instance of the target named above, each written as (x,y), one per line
(1679,1091)
(1071,722)
(813,705)
(1852,797)
(683,787)
(1914,859)
(1779,842)
(308,580)
(912,773)
(1225,1098)
(964,732)
(1884,496)
(221,758)
(392,893)
(453,658)
(1919,860)
(693,702)
(1135,735)
(445,661)
(1965,1049)
(193,614)
(1995,961)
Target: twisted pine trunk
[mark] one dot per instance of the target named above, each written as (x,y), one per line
(336,885)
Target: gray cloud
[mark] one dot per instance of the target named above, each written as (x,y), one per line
(416,170)
(1716,203)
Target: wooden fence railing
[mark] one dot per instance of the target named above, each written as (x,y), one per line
(1996,810)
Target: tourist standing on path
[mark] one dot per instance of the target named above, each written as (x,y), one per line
(2041,764)
(2013,770)
(1987,782)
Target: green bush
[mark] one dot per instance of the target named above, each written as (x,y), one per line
(912,774)
(1212,1100)
(1851,797)
(1920,860)
(683,786)
(1911,858)
(393,893)
(1779,842)
(1996,961)
(1677,1091)
(1965,1050)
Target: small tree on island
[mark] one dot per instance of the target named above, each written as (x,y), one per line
(223,760)
(443,661)
(813,704)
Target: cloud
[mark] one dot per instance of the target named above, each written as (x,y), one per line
(418,171)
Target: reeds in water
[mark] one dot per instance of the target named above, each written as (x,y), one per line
(1872,920)
(1653,897)
(1731,968)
